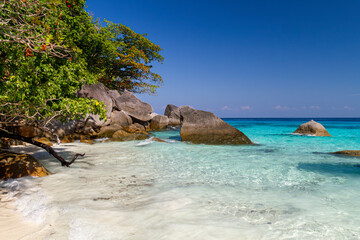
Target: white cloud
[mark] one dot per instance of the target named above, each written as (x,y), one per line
(347,108)
(279,107)
(226,108)
(246,108)
(314,107)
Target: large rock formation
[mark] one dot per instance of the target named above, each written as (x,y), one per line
(134,107)
(15,165)
(159,122)
(173,113)
(120,118)
(312,128)
(353,153)
(204,127)
(101,93)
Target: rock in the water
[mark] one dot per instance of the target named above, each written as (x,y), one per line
(98,92)
(353,153)
(122,135)
(133,106)
(312,128)
(120,118)
(159,122)
(158,140)
(204,127)
(14,165)
(173,113)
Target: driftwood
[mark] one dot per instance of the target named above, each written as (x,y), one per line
(50,150)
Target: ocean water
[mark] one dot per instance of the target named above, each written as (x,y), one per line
(284,187)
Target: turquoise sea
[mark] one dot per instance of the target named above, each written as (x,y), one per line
(284,187)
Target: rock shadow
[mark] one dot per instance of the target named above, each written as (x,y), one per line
(338,169)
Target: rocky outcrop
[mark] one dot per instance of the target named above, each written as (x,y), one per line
(204,127)
(14,165)
(173,113)
(353,153)
(159,122)
(133,106)
(312,128)
(120,118)
(101,93)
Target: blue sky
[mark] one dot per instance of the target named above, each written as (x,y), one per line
(276,58)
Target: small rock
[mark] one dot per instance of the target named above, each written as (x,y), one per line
(158,140)
(353,153)
(312,128)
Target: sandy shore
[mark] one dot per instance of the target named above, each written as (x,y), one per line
(12,224)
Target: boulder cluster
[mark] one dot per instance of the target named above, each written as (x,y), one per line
(129,118)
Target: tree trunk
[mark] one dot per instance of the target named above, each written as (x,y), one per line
(50,150)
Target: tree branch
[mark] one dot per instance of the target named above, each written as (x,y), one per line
(50,150)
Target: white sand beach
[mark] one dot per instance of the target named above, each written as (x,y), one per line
(12,224)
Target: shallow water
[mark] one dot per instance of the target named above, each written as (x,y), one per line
(285,187)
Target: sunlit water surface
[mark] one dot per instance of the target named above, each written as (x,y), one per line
(285,187)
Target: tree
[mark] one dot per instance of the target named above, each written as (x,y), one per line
(50,48)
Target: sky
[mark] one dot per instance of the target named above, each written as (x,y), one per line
(254,58)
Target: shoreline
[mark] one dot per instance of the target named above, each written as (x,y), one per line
(12,223)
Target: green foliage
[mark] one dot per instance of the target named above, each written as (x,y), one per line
(50,49)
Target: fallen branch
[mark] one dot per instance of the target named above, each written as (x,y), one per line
(50,150)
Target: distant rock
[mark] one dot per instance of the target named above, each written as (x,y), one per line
(15,165)
(159,122)
(133,106)
(173,113)
(204,127)
(353,153)
(312,128)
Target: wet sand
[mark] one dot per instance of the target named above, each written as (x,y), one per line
(12,224)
